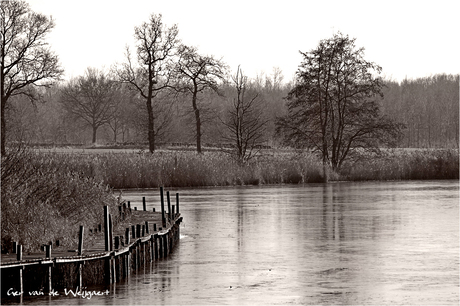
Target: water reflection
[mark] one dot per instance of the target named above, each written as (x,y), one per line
(340,243)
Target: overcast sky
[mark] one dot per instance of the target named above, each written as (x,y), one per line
(407,38)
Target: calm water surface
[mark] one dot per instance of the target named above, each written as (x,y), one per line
(340,243)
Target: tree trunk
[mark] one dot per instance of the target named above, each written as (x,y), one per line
(151,126)
(3,127)
(198,123)
(94,134)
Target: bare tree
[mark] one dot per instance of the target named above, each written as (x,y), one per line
(92,98)
(245,121)
(25,57)
(152,74)
(198,73)
(333,106)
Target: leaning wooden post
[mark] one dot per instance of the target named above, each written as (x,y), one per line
(169,205)
(80,252)
(144,205)
(163,220)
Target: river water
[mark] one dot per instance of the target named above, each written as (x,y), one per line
(339,243)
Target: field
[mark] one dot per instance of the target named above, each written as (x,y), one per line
(47,194)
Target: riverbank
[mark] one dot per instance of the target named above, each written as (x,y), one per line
(43,192)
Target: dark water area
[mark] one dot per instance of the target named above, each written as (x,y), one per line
(340,243)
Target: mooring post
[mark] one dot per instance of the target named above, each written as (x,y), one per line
(19,257)
(177,203)
(160,246)
(169,205)
(163,220)
(147,227)
(127,236)
(143,230)
(110,232)
(144,205)
(80,252)
(138,230)
(48,255)
(154,227)
(155,246)
(173,214)
(106,228)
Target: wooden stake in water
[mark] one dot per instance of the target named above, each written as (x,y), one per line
(106,228)
(177,203)
(80,252)
(169,205)
(163,220)
(48,255)
(144,205)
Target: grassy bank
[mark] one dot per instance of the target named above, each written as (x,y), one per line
(45,196)
(43,200)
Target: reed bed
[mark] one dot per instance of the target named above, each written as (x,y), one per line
(43,195)
(400,164)
(44,200)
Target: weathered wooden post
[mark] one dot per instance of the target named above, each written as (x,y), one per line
(177,203)
(107,263)
(50,268)
(110,232)
(163,220)
(117,242)
(154,227)
(173,214)
(144,205)
(19,257)
(169,205)
(138,230)
(147,227)
(80,252)
(127,236)
(15,247)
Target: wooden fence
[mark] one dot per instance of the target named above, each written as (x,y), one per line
(123,254)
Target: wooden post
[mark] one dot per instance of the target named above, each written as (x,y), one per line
(177,203)
(80,252)
(19,257)
(15,247)
(127,236)
(169,205)
(165,245)
(106,228)
(111,232)
(155,246)
(117,242)
(144,205)
(147,227)
(138,230)
(152,250)
(160,246)
(173,214)
(163,220)
(154,227)
(143,230)
(154,209)
(133,231)
(50,268)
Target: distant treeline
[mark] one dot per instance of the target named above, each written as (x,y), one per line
(429,107)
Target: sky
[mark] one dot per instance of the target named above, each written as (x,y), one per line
(408,39)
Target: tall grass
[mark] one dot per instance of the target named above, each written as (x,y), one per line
(402,164)
(44,200)
(45,196)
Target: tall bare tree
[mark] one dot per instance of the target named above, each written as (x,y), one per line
(25,57)
(153,72)
(91,98)
(245,120)
(198,73)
